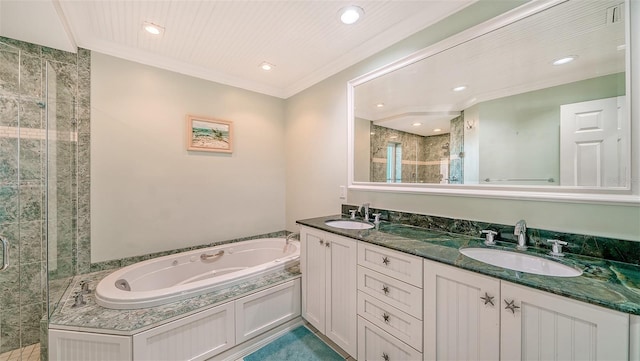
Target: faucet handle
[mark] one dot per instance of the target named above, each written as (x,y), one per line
(353,213)
(556,247)
(377,217)
(489,241)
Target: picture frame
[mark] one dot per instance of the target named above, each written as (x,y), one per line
(209,134)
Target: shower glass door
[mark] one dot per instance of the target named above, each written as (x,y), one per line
(61,181)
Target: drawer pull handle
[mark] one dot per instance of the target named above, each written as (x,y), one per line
(385,289)
(511,306)
(386,260)
(385,357)
(385,317)
(327,244)
(487,299)
(321,241)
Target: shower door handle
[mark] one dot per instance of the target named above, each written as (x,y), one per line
(5,254)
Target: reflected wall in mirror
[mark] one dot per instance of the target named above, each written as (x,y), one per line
(538,102)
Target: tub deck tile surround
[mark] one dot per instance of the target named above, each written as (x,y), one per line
(92,317)
(607,283)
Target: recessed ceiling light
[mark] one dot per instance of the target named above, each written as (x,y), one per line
(152,28)
(266,66)
(565,60)
(350,14)
(459,88)
(380,105)
(416,124)
(437,130)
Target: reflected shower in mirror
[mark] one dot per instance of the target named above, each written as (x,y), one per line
(537,102)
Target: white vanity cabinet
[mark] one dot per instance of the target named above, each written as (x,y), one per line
(328,264)
(469,316)
(538,325)
(389,304)
(461,314)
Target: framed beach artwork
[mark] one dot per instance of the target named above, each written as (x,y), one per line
(209,135)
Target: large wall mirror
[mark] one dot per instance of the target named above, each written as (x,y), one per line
(536,101)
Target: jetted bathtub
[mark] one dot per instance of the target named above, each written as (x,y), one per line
(175,277)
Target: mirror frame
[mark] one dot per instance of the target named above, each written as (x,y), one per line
(628,195)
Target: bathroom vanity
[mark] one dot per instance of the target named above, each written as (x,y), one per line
(397,292)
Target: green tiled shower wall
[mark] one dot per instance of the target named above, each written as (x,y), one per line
(425,153)
(23,182)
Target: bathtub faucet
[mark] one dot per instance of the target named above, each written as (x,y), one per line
(291,235)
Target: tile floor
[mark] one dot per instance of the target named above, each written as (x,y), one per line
(28,353)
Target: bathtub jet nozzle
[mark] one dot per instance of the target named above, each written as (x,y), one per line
(122,284)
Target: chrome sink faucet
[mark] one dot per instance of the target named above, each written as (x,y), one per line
(520,230)
(365,215)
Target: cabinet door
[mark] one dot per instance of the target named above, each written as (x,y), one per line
(461,314)
(195,337)
(86,346)
(550,327)
(634,337)
(341,322)
(264,310)
(313,266)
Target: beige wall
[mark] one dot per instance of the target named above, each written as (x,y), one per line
(317,130)
(148,193)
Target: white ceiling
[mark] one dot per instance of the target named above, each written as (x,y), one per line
(226,41)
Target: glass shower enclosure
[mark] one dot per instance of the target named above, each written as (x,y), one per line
(38,187)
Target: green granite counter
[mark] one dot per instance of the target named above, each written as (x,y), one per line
(614,285)
(95,318)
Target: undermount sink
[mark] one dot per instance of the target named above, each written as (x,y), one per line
(520,262)
(348,224)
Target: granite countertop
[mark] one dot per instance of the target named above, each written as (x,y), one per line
(614,285)
(95,318)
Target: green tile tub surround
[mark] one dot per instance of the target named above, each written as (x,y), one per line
(585,245)
(92,316)
(611,284)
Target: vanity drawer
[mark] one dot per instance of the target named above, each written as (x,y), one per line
(375,344)
(405,327)
(402,266)
(403,296)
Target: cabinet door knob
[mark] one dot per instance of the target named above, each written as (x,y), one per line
(385,317)
(321,241)
(386,260)
(327,244)
(385,289)
(487,299)
(511,306)
(385,357)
